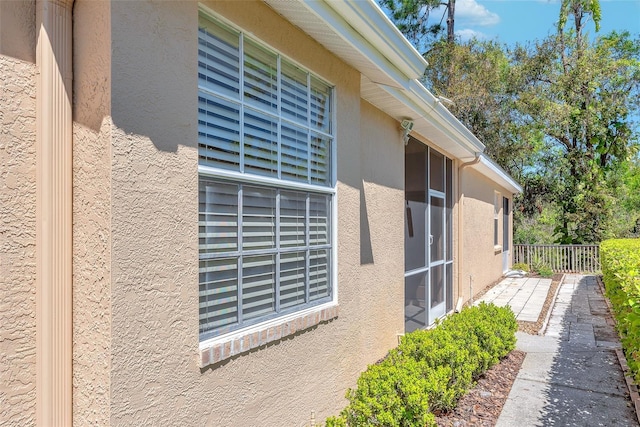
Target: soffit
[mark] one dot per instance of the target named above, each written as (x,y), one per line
(320,22)
(427,123)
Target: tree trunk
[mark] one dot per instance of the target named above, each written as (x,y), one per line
(451,10)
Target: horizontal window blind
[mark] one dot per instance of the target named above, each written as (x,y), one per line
(265,249)
(280,109)
(263,252)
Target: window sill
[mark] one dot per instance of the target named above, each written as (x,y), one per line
(497,249)
(218,349)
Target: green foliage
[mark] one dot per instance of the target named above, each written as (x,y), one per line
(545,271)
(621,275)
(559,114)
(430,370)
(521,266)
(412,19)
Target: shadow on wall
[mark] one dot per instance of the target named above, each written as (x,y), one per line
(585,362)
(366,249)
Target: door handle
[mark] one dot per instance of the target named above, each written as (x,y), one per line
(431,239)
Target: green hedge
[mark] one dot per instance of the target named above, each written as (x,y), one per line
(430,370)
(620,260)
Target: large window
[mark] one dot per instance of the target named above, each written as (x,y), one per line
(266,183)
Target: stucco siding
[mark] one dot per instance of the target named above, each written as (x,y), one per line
(17,242)
(92,213)
(381,230)
(155,375)
(18,29)
(482,262)
(154,214)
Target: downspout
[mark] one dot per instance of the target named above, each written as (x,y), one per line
(54,334)
(461,230)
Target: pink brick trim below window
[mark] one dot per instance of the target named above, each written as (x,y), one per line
(219,351)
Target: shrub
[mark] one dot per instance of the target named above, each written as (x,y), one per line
(620,259)
(430,370)
(521,266)
(545,271)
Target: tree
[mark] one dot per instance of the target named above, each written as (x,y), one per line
(414,18)
(557,114)
(582,96)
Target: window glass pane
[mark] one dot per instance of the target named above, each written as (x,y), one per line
(258,286)
(293,208)
(292,279)
(437,228)
(415,230)
(437,285)
(258,218)
(218,222)
(320,159)
(319,233)
(294,104)
(218,293)
(260,143)
(320,105)
(318,274)
(415,315)
(218,132)
(294,153)
(505,224)
(218,58)
(436,169)
(260,76)
(264,250)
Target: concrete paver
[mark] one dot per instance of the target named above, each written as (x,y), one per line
(525,296)
(571,375)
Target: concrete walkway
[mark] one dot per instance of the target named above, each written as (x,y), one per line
(571,375)
(525,296)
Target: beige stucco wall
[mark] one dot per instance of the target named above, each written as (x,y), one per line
(18,29)
(141,165)
(92,164)
(481,261)
(17,240)
(381,273)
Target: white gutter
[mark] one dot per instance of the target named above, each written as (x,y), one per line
(492,170)
(446,119)
(397,68)
(364,27)
(370,21)
(426,105)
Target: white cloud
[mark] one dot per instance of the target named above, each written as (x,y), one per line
(468,34)
(469,12)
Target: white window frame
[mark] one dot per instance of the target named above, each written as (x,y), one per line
(276,183)
(497,203)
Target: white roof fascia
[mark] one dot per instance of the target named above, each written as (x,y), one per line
(490,169)
(364,27)
(353,37)
(370,21)
(446,119)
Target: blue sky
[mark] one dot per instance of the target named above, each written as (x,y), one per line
(511,21)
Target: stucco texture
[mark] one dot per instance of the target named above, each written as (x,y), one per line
(92,214)
(18,29)
(17,242)
(144,243)
(482,262)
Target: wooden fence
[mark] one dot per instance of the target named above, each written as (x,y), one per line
(560,258)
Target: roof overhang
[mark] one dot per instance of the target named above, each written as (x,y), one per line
(362,35)
(490,169)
